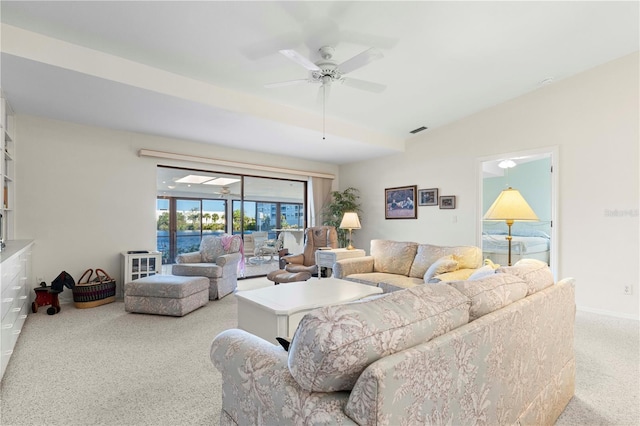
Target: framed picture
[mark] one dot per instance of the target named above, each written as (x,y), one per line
(448,202)
(400,202)
(428,197)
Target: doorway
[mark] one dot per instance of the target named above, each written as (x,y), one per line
(535,175)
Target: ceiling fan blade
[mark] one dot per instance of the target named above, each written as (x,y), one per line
(264,48)
(299,59)
(360,60)
(286,83)
(364,85)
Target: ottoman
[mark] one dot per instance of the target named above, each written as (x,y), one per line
(166,295)
(282,276)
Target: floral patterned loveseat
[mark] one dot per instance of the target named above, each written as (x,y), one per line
(395,265)
(496,350)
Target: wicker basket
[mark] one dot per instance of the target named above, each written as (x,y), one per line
(91,293)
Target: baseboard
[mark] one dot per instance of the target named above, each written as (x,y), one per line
(608,313)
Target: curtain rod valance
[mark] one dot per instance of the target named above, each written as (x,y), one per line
(196,159)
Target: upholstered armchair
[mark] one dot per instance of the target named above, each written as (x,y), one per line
(314,238)
(218,259)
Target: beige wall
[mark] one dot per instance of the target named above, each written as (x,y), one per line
(593,120)
(85,195)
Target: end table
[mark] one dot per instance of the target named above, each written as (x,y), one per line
(326,258)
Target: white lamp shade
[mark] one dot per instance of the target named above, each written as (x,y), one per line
(510,205)
(350,220)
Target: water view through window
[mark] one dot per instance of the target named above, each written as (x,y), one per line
(192,204)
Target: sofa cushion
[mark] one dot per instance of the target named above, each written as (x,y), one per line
(535,273)
(440,266)
(376,278)
(209,270)
(468,257)
(393,257)
(491,293)
(334,344)
(211,248)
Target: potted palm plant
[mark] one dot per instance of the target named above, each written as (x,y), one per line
(341,202)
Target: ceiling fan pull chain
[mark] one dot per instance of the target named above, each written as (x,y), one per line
(324,106)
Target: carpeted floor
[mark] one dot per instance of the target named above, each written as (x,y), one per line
(103,366)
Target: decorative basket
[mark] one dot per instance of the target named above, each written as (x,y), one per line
(89,293)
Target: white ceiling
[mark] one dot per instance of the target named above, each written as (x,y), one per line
(197,70)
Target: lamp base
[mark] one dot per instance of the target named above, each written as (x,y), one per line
(350,247)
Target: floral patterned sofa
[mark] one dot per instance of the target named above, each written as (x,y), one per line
(492,350)
(395,265)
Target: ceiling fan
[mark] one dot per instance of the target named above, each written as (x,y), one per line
(327,71)
(225,192)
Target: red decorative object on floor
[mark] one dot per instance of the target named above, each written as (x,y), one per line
(44,297)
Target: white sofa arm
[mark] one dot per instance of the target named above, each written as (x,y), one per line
(355,265)
(257,388)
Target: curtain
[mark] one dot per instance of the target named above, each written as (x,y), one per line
(319,193)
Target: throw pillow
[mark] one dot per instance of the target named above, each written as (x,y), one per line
(440,266)
(486,270)
(393,257)
(457,275)
(467,257)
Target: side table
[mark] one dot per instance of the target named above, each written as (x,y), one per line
(138,264)
(326,258)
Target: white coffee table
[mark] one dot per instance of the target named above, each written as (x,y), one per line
(275,311)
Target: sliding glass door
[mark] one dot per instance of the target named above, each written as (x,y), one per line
(182,222)
(268,213)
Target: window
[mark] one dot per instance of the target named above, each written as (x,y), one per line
(194,203)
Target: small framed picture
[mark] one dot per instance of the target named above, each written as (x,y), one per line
(400,202)
(448,202)
(428,197)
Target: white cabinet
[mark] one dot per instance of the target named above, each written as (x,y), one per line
(7,170)
(15,285)
(139,265)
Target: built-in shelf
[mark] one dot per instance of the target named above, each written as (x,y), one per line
(7,170)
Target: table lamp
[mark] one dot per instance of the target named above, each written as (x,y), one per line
(350,221)
(510,206)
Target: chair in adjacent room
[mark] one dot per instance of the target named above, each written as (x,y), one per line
(269,248)
(300,267)
(218,259)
